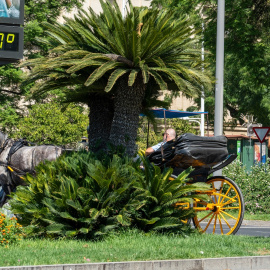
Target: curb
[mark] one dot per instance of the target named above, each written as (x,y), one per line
(229,263)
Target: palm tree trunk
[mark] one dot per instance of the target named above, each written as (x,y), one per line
(127,107)
(100,119)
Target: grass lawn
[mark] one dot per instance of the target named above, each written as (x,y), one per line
(132,246)
(265,217)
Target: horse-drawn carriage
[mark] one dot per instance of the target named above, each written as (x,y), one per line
(223,212)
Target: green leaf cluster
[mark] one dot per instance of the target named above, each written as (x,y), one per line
(84,196)
(246,71)
(158,203)
(76,196)
(255,185)
(47,124)
(12,75)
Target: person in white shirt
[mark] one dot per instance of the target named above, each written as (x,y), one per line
(169,135)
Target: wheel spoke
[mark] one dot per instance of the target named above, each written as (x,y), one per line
(221,188)
(228,215)
(215,223)
(230,201)
(221,195)
(204,217)
(209,222)
(232,207)
(226,221)
(220,223)
(226,195)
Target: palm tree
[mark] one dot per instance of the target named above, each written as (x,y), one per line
(112,63)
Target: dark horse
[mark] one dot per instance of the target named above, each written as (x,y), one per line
(18,158)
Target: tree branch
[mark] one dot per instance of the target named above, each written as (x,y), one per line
(10,92)
(120,58)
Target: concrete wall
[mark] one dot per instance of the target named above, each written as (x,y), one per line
(233,263)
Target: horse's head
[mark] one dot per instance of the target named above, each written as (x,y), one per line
(3,138)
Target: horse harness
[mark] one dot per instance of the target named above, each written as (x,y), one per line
(11,170)
(13,149)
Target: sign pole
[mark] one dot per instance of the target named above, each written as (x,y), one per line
(260,154)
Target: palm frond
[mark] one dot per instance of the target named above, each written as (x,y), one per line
(114,77)
(132,77)
(101,71)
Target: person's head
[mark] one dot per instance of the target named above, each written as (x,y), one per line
(169,135)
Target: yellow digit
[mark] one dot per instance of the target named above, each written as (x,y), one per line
(1,39)
(12,38)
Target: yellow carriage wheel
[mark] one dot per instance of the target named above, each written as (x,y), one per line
(223,212)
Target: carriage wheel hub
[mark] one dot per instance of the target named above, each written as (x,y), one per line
(216,209)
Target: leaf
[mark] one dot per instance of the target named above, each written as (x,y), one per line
(55,228)
(84,230)
(74,204)
(71,233)
(132,77)
(114,77)
(123,220)
(99,72)
(94,213)
(67,216)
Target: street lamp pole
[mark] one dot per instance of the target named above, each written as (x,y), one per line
(202,97)
(218,123)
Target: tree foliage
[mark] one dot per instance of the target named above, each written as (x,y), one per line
(35,15)
(47,124)
(246,56)
(246,72)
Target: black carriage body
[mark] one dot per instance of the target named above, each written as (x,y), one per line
(198,152)
(201,153)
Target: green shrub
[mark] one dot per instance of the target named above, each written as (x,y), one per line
(10,230)
(76,195)
(80,195)
(154,201)
(255,185)
(48,124)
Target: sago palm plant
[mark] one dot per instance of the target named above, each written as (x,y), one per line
(160,201)
(113,63)
(75,196)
